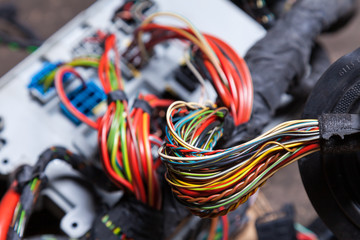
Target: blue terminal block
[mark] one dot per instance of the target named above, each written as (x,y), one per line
(85,99)
(36,86)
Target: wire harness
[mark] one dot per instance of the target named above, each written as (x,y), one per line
(211,182)
(208,58)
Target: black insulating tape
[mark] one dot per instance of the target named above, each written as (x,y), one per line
(142,104)
(282,56)
(135,219)
(339,133)
(228,127)
(338,125)
(23,175)
(117,95)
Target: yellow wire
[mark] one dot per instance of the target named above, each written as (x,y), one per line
(239,174)
(148,160)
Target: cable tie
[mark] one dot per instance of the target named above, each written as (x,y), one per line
(144,105)
(117,95)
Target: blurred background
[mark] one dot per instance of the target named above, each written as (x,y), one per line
(44,17)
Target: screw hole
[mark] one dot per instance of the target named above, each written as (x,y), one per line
(74,225)
(2,142)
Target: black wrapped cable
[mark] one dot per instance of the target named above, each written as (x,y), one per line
(27,177)
(283,55)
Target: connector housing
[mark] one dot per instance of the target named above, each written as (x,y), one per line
(85,99)
(36,86)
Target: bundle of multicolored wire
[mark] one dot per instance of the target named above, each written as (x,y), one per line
(211,182)
(212,58)
(124,135)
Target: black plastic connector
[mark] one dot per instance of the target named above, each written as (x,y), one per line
(130,217)
(186,78)
(117,95)
(144,105)
(129,21)
(339,133)
(228,127)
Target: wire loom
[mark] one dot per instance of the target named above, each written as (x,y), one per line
(210,182)
(214,182)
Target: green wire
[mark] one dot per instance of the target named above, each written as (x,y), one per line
(49,79)
(113,79)
(191,125)
(220,114)
(253,183)
(33,184)
(22,216)
(92,63)
(114,138)
(124,145)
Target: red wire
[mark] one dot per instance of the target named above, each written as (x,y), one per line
(140,168)
(141,162)
(245,75)
(106,161)
(139,123)
(145,128)
(204,125)
(64,99)
(104,65)
(156,138)
(154,101)
(237,73)
(208,193)
(229,75)
(225,222)
(135,170)
(302,236)
(7,208)
(101,74)
(222,91)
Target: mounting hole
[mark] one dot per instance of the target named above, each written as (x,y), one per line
(74,225)
(2,142)
(5,161)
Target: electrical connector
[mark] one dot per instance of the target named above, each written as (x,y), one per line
(36,87)
(85,99)
(131,14)
(186,78)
